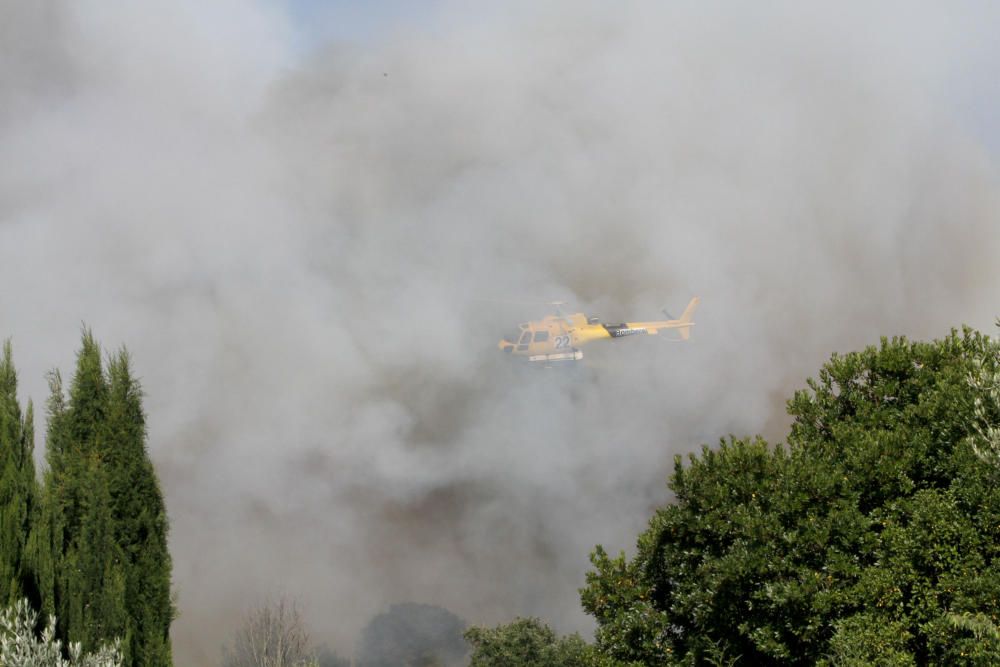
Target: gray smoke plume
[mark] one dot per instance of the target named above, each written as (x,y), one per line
(311,254)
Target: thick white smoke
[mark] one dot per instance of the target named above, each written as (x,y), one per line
(308,255)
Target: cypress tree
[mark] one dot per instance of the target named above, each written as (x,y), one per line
(87,597)
(42,553)
(141,519)
(88,399)
(74,439)
(104,521)
(96,583)
(18,488)
(49,539)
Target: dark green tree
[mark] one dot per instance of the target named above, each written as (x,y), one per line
(48,540)
(19,493)
(92,575)
(104,521)
(141,518)
(89,571)
(859,542)
(413,635)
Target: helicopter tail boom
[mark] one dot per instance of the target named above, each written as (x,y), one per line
(682,325)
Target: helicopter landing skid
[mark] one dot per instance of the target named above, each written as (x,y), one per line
(573,355)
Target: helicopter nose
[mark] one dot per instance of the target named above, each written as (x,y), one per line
(505,346)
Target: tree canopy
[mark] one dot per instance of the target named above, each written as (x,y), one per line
(527,642)
(412,635)
(18,488)
(92,549)
(861,540)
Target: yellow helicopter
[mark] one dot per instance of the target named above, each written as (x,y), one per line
(559,337)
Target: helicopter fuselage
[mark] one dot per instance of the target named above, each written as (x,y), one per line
(560,337)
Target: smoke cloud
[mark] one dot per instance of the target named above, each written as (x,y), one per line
(311,254)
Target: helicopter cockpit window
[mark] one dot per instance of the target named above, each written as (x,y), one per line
(541,336)
(525,338)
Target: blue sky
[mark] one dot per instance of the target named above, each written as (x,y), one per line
(355,20)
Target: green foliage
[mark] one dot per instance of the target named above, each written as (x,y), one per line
(981,627)
(141,518)
(93,571)
(412,635)
(19,647)
(102,560)
(527,642)
(863,639)
(980,635)
(18,488)
(984,380)
(855,544)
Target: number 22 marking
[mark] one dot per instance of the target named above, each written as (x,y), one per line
(562,342)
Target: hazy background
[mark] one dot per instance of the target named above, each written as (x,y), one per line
(304,220)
